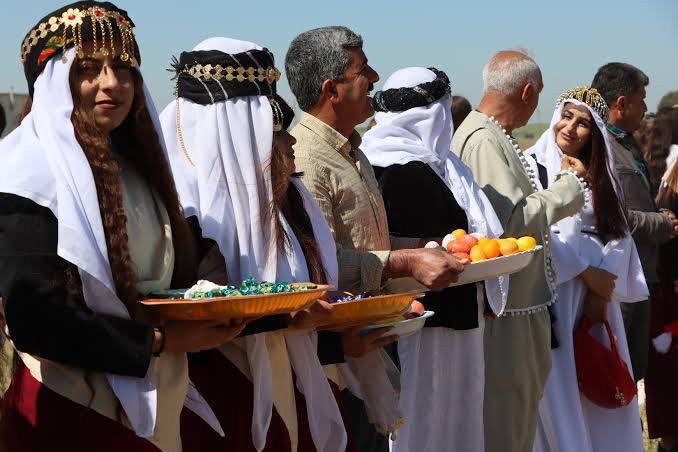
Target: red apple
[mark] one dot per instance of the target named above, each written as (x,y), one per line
(470,240)
(460,246)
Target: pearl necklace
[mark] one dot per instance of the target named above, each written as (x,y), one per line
(546,237)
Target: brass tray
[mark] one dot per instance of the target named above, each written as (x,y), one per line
(219,308)
(355,312)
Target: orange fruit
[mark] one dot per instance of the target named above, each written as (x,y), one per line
(477,254)
(513,239)
(483,240)
(526,243)
(458,233)
(491,248)
(507,247)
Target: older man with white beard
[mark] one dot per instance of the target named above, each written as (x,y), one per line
(517,343)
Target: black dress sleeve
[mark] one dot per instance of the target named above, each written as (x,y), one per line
(419,204)
(42,318)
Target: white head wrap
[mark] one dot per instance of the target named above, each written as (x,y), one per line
(621,254)
(43,161)
(424,134)
(229,191)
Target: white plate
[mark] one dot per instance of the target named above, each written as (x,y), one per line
(401,328)
(475,271)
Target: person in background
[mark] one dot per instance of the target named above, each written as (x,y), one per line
(654,139)
(662,369)
(517,343)
(623,88)
(461,107)
(672,113)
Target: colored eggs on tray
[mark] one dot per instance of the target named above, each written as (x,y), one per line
(475,247)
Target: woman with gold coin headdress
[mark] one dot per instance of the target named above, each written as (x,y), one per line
(597,268)
(90,222)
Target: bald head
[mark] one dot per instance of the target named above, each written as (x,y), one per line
(508,71)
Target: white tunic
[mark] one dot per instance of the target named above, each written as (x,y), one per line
(568,422)
(442,385)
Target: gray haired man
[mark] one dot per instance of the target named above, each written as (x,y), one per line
(517,344)
(328,72)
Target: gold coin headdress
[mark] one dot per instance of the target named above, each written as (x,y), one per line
(210,76)
(589,96)
(107,27)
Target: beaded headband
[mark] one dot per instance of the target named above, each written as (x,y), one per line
(209,76)
(106,26)
(589,96)
(401,99)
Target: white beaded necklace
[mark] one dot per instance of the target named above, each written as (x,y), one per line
(546,238)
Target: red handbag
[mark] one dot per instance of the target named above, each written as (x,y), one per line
(602,374)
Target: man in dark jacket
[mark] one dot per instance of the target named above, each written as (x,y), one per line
(623,88)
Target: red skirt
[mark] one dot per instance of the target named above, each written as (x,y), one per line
(230,395)
(37,419)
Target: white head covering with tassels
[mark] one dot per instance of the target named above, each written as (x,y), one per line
(630,284)
(228,188)
(43,161)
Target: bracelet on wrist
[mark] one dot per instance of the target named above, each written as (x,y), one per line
(582,182)
(161,347)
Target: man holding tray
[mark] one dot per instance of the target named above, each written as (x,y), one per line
(331,80)
(517,343)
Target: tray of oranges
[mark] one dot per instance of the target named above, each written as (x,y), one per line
(483,258)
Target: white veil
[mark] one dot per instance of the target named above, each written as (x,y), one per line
(43,161)
(623,258)
(228,188)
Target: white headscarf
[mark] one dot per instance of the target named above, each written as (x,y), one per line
(621,254)
(229,191)
(43,161)
(424,134)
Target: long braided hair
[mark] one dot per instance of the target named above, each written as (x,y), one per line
(137,141)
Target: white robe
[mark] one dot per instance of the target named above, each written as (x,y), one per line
(442,385)
(568,421)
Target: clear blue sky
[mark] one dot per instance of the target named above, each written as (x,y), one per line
(569,39)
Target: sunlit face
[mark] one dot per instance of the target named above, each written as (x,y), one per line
(354,92)
(283,144)
(574,129)
(105,86)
